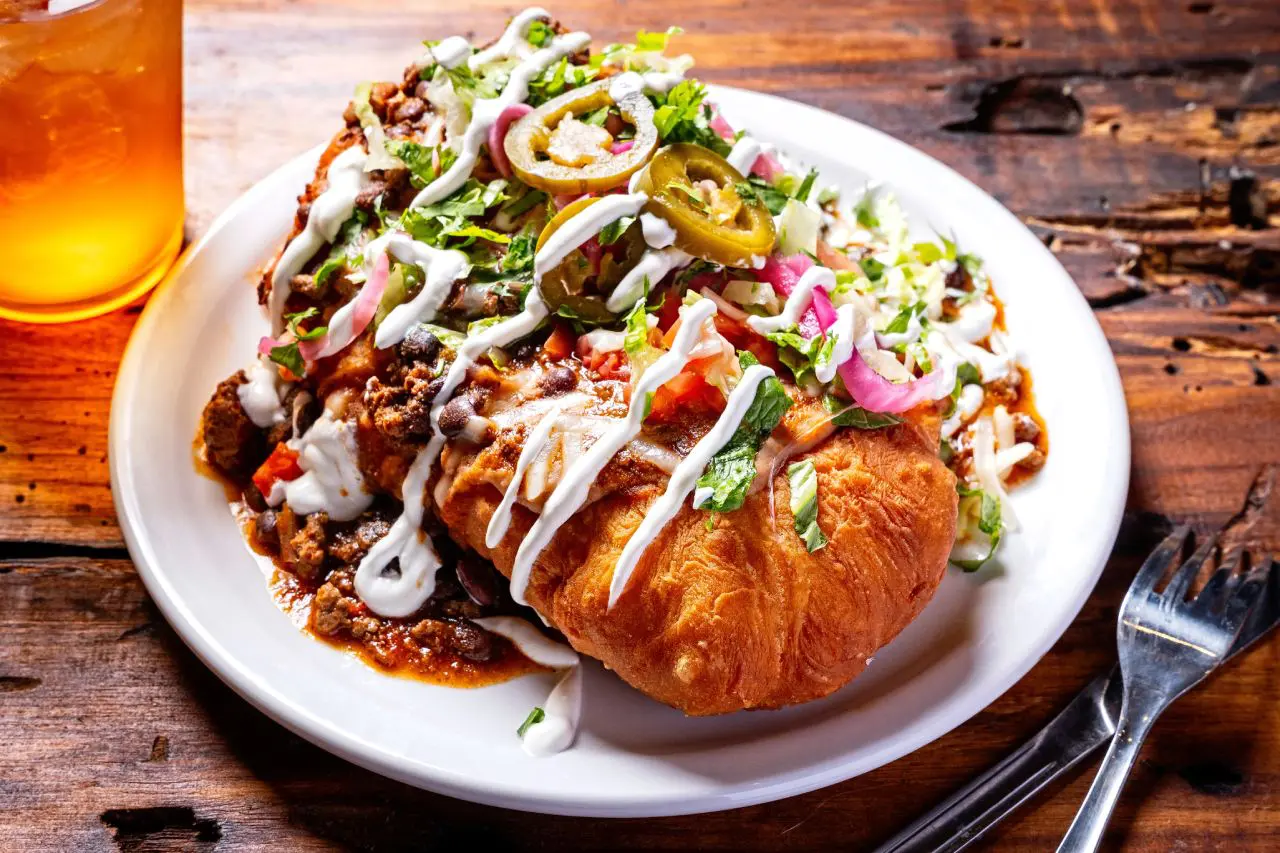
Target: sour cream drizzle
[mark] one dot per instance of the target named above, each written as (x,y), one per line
(571,492)
(260,395)
(582,227)
(486,111)
(331,481)
(843,331)
(512,39)
(533,445)
(744,154)
(563,708)
(329,211)
(652,267)
(442,268)
(801,296)
(685,477)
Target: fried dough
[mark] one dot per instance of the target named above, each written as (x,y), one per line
(741,615)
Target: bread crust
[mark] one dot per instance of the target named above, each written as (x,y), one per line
(741,615)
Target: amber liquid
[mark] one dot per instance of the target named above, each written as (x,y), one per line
(90,155)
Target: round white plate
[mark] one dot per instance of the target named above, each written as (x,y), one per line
(634,757)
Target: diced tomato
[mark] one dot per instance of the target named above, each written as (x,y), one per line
(686,391)
(837,260)
(669,312)
(560,344)
(608,365)
(743,337)
(282,464)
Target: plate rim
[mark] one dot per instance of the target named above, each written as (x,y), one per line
(298,719)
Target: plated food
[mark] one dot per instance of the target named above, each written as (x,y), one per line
(553,346)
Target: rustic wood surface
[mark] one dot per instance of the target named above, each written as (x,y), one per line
(1140,139)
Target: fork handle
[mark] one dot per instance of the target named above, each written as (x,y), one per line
(1136,720)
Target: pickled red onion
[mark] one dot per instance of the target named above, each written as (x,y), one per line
(498,133)
(869,389)
(621,147)
(765,165)
(267,343)
(363,310)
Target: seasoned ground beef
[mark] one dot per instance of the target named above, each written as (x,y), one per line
(456,637)
(232,443)
(332,612)
(349,542)
(401,406)
(307,546)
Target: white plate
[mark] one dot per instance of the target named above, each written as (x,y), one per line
(634,757)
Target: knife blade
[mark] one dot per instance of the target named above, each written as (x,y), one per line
(1084,726)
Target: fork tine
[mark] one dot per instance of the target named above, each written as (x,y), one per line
(1153,568)
(1223,582)
(1181,581)
(1245,596)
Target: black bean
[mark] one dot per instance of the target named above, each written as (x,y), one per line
(471,642)
(455,415)
(253,498)
(557,381)
(265,528)
(477,578)
(419,345)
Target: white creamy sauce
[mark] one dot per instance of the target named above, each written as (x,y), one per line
(912,334)
(744,154)
(797,302)
(260,396)
(331,481)
(486,111)
(685,478)
(512,39)
(531,642)
(625,85)
(652,267)
(441,268)
(501,519)
(574,486)
(843,330)
(968,404)
(658,233)
(451,52)
(975,322)
(604,340)
(563,709)
(661,82)
(386,591)
(329,211)
(582,227)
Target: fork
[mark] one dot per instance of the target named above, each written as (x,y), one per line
(1167,644)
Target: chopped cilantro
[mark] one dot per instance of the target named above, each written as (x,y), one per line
(692,196)
(425,162)
(681,116)
(536,716)
(520,251)
(806,186)
(539,33)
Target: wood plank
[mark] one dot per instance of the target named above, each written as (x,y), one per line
(1141,141)
(115,717)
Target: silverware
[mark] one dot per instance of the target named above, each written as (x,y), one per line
(1087,723)
(1168,644)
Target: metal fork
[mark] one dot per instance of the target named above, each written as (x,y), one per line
(1168,644)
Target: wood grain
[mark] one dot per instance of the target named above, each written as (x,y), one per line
(1140,140)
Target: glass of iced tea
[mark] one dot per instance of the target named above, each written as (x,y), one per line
(90,153)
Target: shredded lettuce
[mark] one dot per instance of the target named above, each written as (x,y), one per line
(724,484)
(850,415)
(803,479)
(981,528)
(375,139)
(798,228)
(635,343)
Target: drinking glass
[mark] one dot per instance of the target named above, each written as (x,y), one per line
(91,208)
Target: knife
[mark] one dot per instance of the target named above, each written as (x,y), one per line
(1083,727)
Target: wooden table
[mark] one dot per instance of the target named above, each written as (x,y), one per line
(1141,140)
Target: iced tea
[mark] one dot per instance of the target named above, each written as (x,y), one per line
(90,153)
